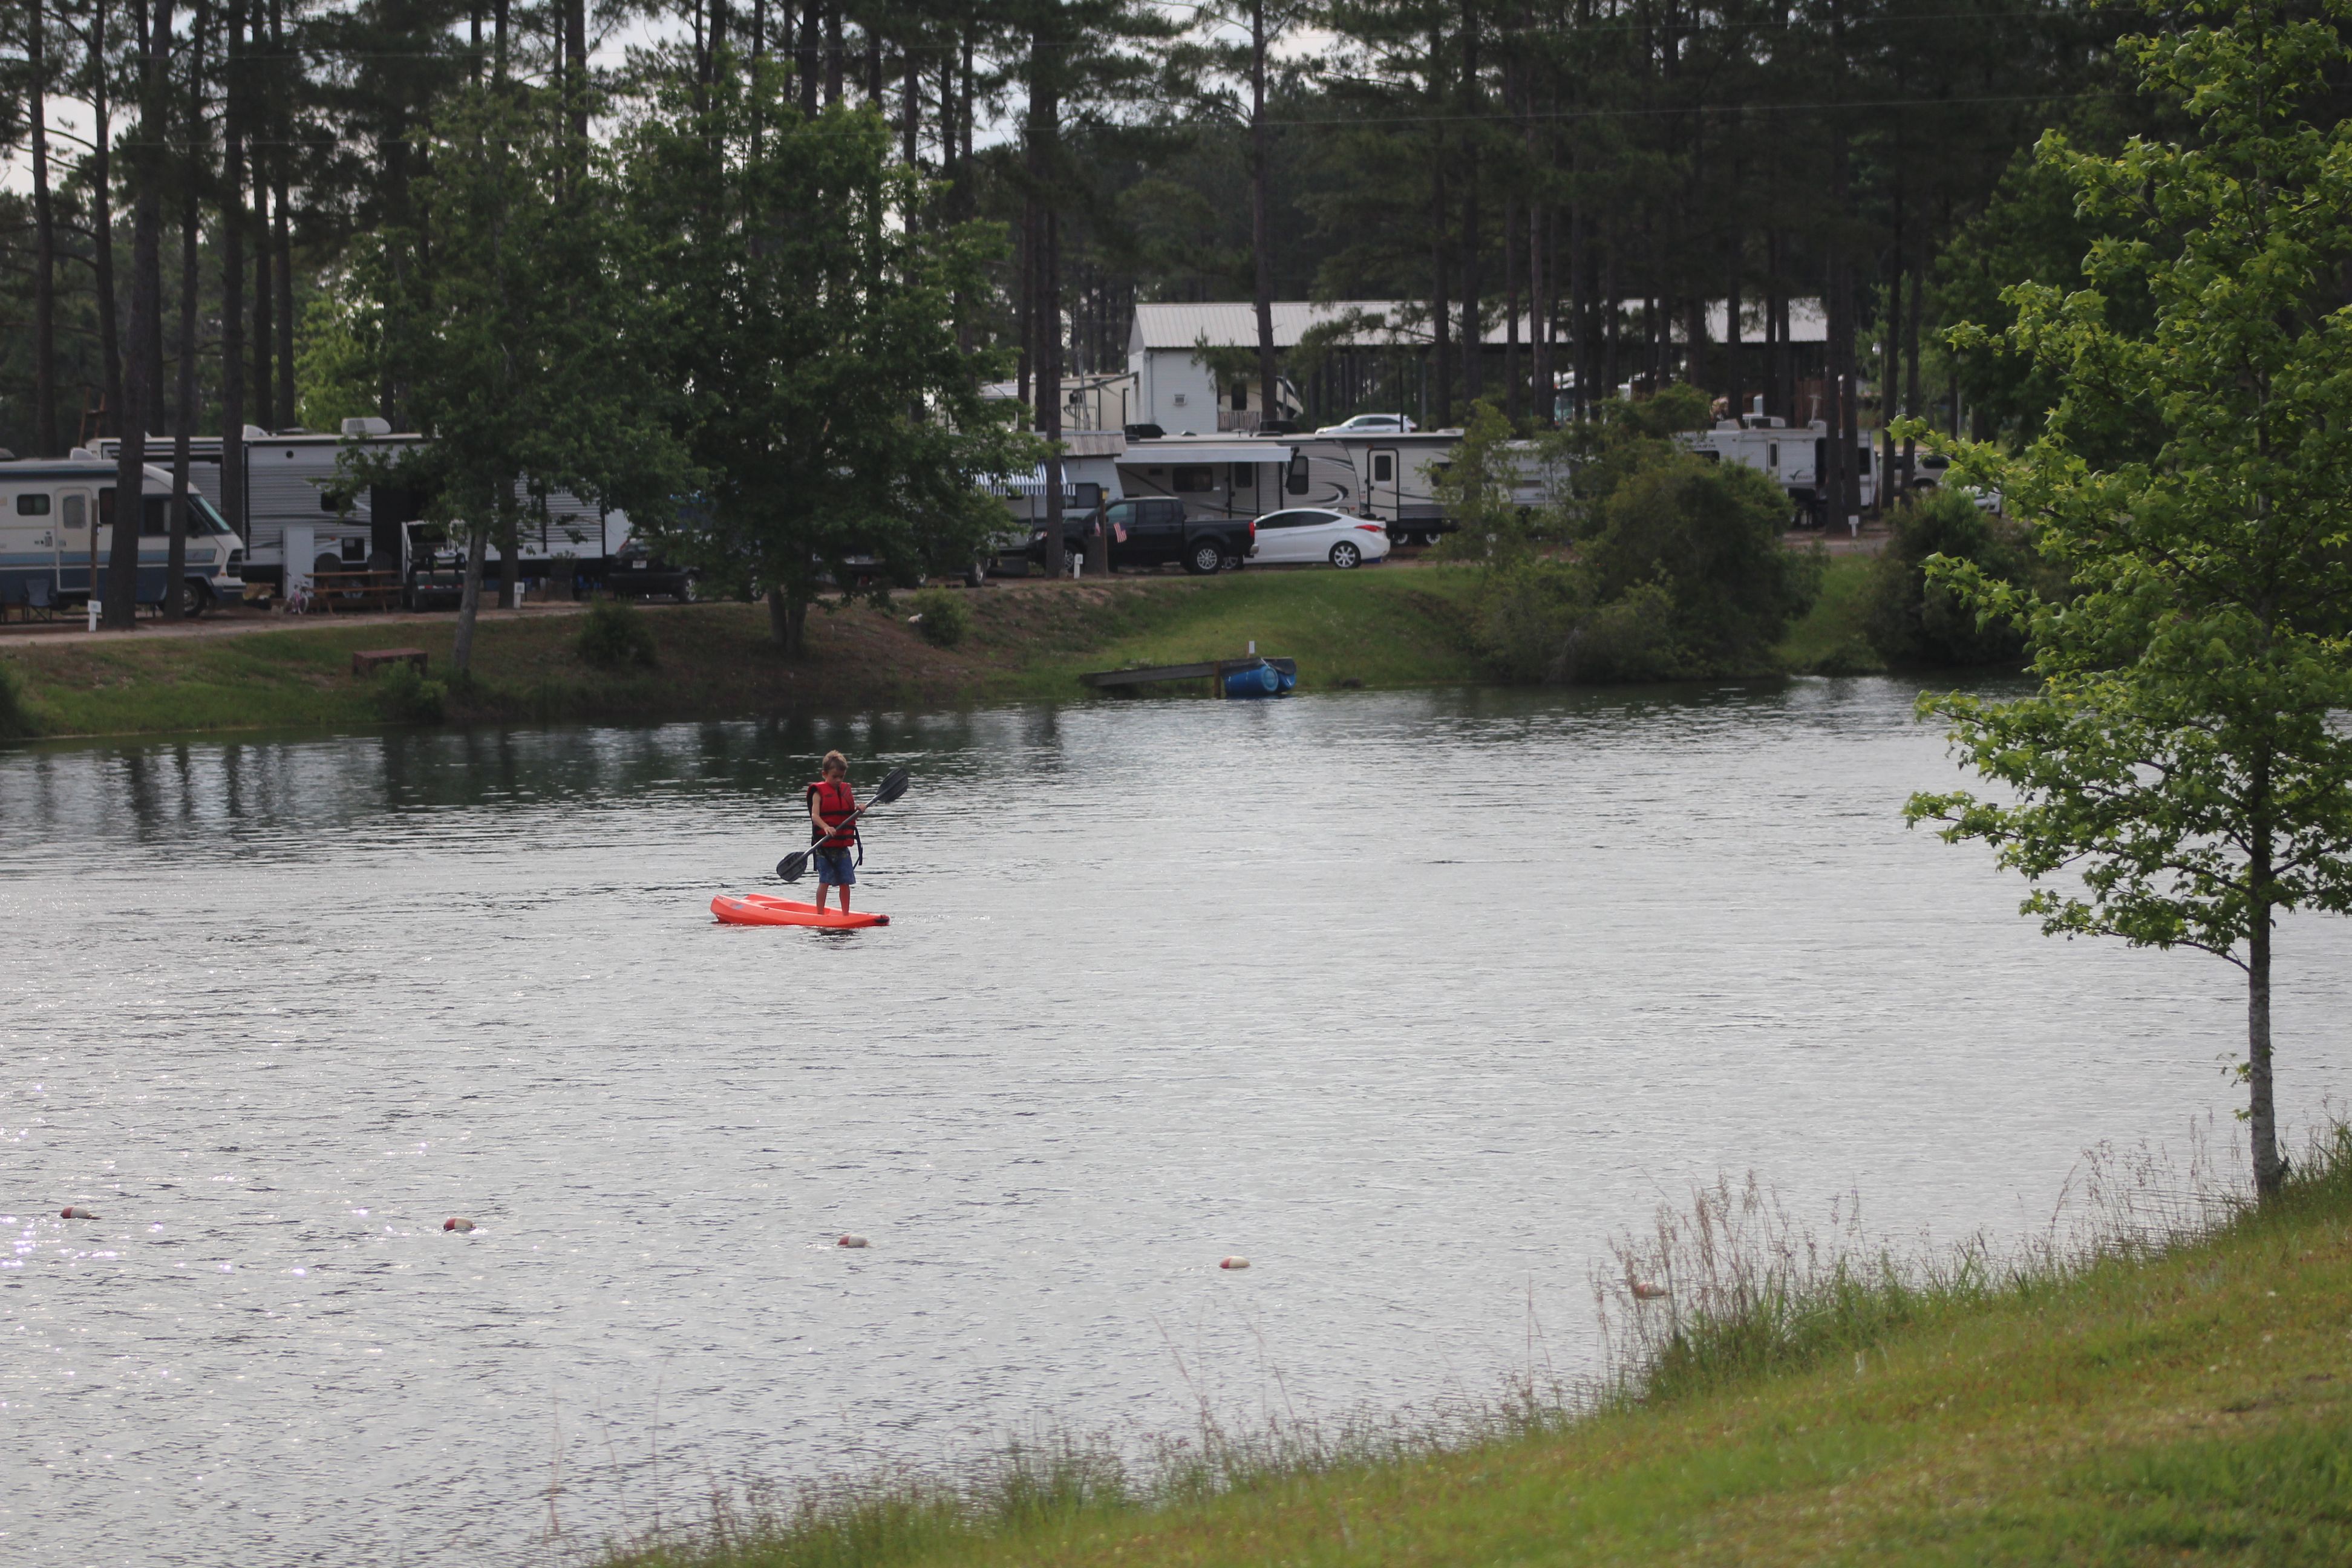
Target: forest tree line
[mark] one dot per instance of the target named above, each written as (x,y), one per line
(1594,169)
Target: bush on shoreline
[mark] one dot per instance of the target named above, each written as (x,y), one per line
(614,636)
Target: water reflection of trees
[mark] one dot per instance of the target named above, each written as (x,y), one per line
(245,793)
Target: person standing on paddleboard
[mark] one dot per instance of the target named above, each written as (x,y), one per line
(831,802)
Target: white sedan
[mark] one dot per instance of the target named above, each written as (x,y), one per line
(1369,425)
(1310,534)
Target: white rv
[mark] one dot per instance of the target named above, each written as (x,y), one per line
(57,535)
(1792,457)
(1216,477)
(305,513)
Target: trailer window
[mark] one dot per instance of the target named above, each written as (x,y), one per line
(32,504)
(1772,456)
(1244,476)
(76,512)
(1298,485)
(1192,476)
(1383,467)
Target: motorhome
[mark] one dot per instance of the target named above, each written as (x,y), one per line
(57,536)
(1791,456)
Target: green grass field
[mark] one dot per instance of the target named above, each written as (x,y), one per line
(1028,641)
(2193,1405)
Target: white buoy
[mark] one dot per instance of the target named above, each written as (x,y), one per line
(1234,1263)
(460,1225)
(852,1239)
(72,1213)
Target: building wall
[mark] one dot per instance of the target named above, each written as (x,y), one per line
(1166,375)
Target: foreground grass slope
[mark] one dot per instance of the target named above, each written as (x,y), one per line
(2190,1407)
(1030,640)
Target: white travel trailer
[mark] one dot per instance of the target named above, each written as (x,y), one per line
(1793,456)
(1393,473)
(304,512)
(57,536)
(1215,475)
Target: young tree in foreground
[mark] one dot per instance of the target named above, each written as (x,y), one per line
(809,321)
(2181,759)
(499,310)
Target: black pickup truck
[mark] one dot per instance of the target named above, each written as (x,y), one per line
(1154,532)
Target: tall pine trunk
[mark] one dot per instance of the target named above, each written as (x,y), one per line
(233,221)
(1045,311)
(1261,232)
(192,219)
(146,301)
(282,232)
(101,224)
(45,240)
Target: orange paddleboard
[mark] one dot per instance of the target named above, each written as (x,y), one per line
(760,909)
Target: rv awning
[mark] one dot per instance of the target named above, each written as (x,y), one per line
(1205,452)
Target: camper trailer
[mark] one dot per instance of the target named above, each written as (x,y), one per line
(57,535)
(1792,457)
(1393,472)
(304,513)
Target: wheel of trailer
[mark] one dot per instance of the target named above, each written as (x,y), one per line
(976,574)
(200,597)
(1205,559)
(1346,556)
(1234,562)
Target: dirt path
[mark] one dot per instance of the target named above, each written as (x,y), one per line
(245,623)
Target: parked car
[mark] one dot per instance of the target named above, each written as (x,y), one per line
(1154,532)
(1311,533)
(1369,425)
(639,573)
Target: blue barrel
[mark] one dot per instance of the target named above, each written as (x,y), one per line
(1286,678)
(1261,681)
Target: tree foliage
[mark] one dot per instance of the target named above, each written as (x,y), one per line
(2182,775)
(807,318)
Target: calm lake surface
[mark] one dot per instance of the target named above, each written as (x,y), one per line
(1414,999)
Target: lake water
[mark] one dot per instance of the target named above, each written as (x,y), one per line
(1413,999)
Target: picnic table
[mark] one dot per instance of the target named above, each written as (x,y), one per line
(356,589)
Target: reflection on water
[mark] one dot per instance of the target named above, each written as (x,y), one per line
(1412,998)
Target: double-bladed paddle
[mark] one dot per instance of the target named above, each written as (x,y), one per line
(792,867)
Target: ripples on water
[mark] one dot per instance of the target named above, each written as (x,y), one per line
(1412,998)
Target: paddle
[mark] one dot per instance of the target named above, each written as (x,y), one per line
(793,867)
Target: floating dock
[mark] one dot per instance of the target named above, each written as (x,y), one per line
(1213,670)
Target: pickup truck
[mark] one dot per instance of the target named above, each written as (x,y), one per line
(1154,532)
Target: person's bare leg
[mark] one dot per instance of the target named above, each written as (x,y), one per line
(844,897)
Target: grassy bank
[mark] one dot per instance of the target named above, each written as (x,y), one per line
(1026,641)
(1831,640)
(2192,1404)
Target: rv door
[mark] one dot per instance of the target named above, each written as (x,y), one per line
(1383,485)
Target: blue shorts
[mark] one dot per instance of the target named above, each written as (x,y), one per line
(835,868)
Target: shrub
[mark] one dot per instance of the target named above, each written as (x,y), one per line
(1913,621)
(403,696)
(1678,573)
(616,636)
(941,616)
(15,721)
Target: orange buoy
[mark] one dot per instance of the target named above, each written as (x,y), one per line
(72,1213)
(1646,1291)
(1234,1263)
(852,1239)
(460,1225)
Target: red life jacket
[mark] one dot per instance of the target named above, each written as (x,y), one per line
(834,802)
